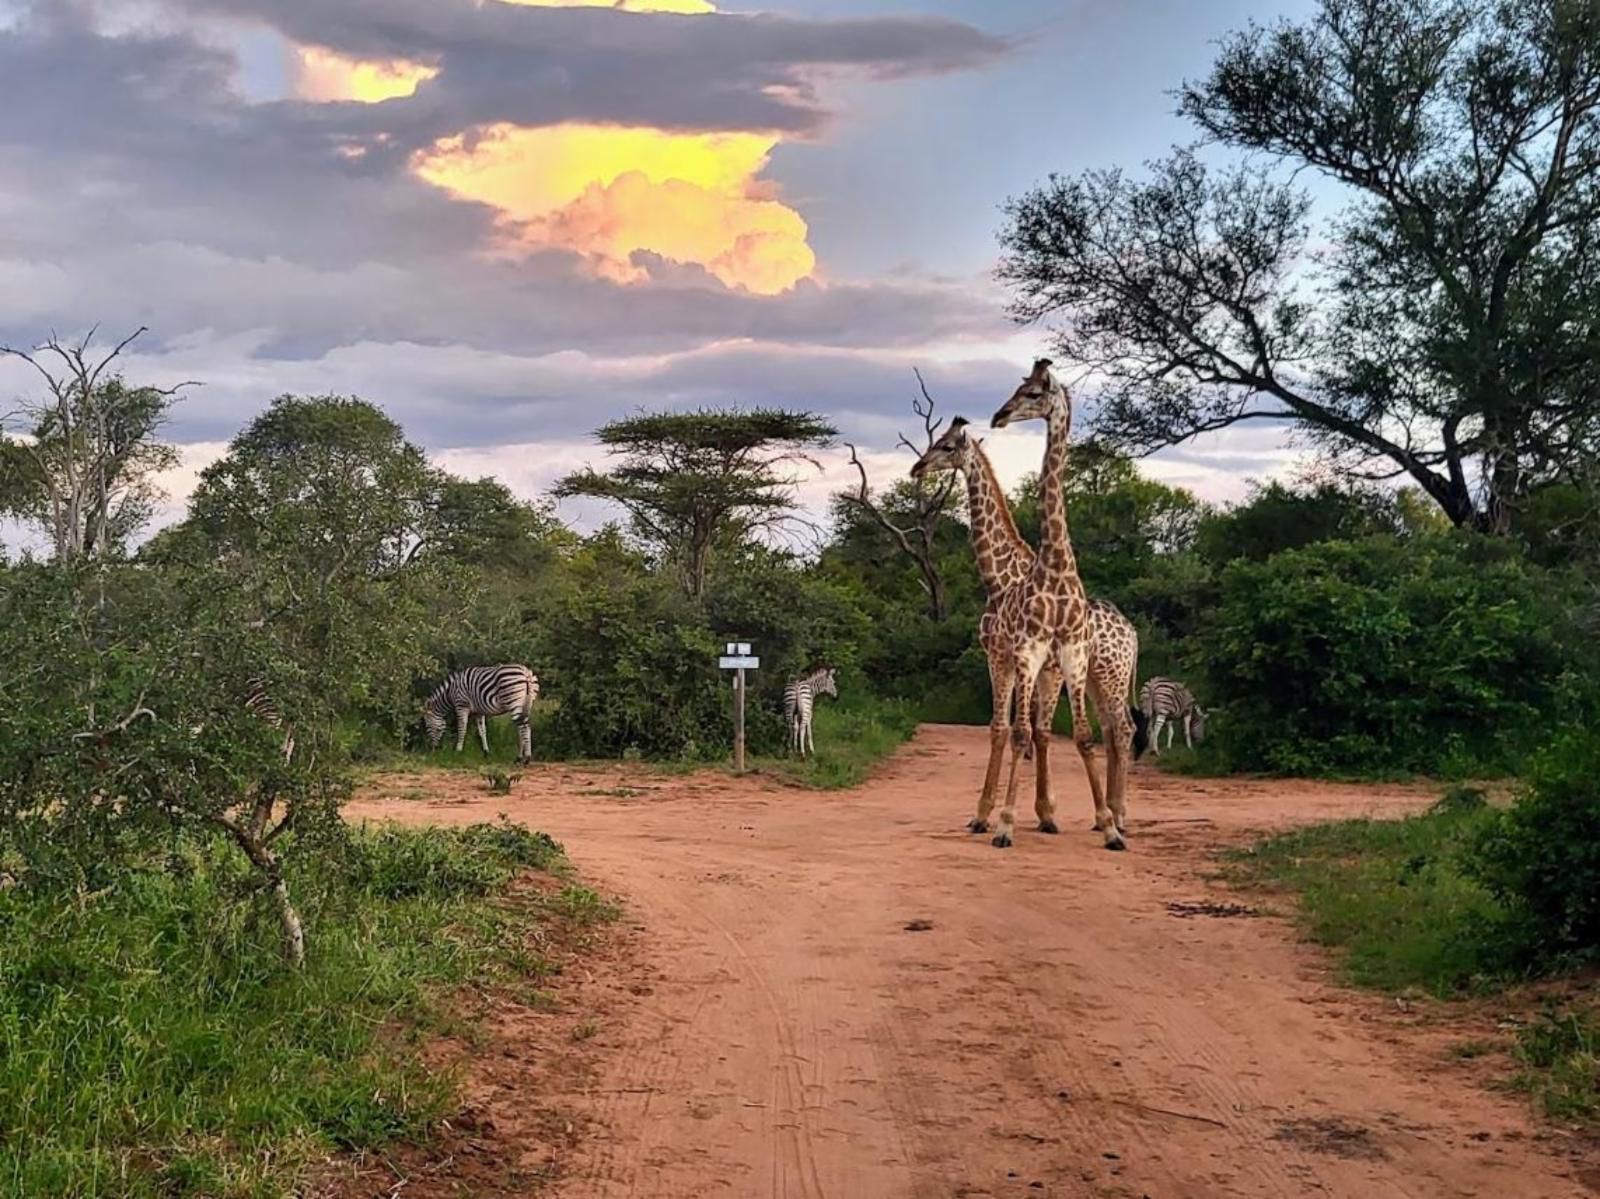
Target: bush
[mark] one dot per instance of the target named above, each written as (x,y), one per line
(1434,656)
(1541,859)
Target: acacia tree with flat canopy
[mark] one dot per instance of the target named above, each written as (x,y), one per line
(692,480)
(1451,332)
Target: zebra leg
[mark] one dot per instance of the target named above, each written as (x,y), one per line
(1188,741)
(1156,726)
(811,733)
(524,738)
(483,733)
(1049,695)
(462,716)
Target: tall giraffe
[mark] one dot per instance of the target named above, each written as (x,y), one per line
(1004,559)
(1046,617)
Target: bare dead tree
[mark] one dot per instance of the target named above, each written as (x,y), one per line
(82,470)
(915,531)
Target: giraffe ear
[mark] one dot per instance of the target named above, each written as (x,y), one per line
(958,422)
(1040,366)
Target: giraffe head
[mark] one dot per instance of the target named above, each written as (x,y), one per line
(951,450)
(1034,399)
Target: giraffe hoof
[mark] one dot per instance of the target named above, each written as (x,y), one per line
(1001,841)
(1048,826)
(1116,842)
(977,826)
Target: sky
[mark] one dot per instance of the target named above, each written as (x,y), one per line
(507,222)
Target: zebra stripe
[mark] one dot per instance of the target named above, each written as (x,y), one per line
(483,691)
(1166,700)
(259,703)
(799,698)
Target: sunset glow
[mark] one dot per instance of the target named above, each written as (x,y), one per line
(606,192)
(324,76)
(600,191)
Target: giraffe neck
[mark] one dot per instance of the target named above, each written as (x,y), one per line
(1056,559)
(1004,558)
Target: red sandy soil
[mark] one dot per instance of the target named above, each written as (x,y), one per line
(847,995)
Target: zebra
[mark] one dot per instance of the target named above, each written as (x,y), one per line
(1163,700)
(259,703)
(483,691)
(798,698)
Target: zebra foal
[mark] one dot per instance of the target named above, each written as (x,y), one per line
(483,691)
(1165,702)
(259,703)
(799,698)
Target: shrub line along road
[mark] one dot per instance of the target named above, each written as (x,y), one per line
(1046,1025)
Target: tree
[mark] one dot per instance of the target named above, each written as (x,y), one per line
(320,504)
(81,472)
(1450,335)
(912,512)
(479,523)
(323,486)
(121,720)
(691,479)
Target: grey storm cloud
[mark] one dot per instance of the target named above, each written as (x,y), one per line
(538,66)
(139,185)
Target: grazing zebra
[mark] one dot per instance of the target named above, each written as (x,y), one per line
(798,699)
(259,703)
(483,691)
(1164,700)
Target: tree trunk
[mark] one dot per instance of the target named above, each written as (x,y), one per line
(933,583)
(271,867)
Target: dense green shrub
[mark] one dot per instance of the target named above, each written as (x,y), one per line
(1381,655)
(1541,859)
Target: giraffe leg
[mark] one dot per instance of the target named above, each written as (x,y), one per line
(1002,683)
(1076,665)
(1021,738)
(1117,727)
(1049,694)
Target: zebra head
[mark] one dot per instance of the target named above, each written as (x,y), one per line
(1034,399)
(948,452)
(433,718)
(824,682)
(1197,724)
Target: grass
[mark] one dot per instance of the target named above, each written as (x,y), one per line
(851,739)
(152,1045)
(1391,899)
(1389,896)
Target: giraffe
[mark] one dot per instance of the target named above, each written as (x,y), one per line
(1045,618)
(1004,559)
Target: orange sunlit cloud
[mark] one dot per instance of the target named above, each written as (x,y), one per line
(323,75)
(603,191)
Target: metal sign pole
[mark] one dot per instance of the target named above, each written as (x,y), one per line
(738,659)
(738,721)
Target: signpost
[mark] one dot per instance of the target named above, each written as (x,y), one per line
(738,659)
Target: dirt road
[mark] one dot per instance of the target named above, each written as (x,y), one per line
(849,996)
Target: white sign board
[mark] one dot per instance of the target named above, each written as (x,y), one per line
(738,649)
(739,662)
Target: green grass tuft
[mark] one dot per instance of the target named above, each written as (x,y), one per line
(152,1045)
(1390,896)
(852,739)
